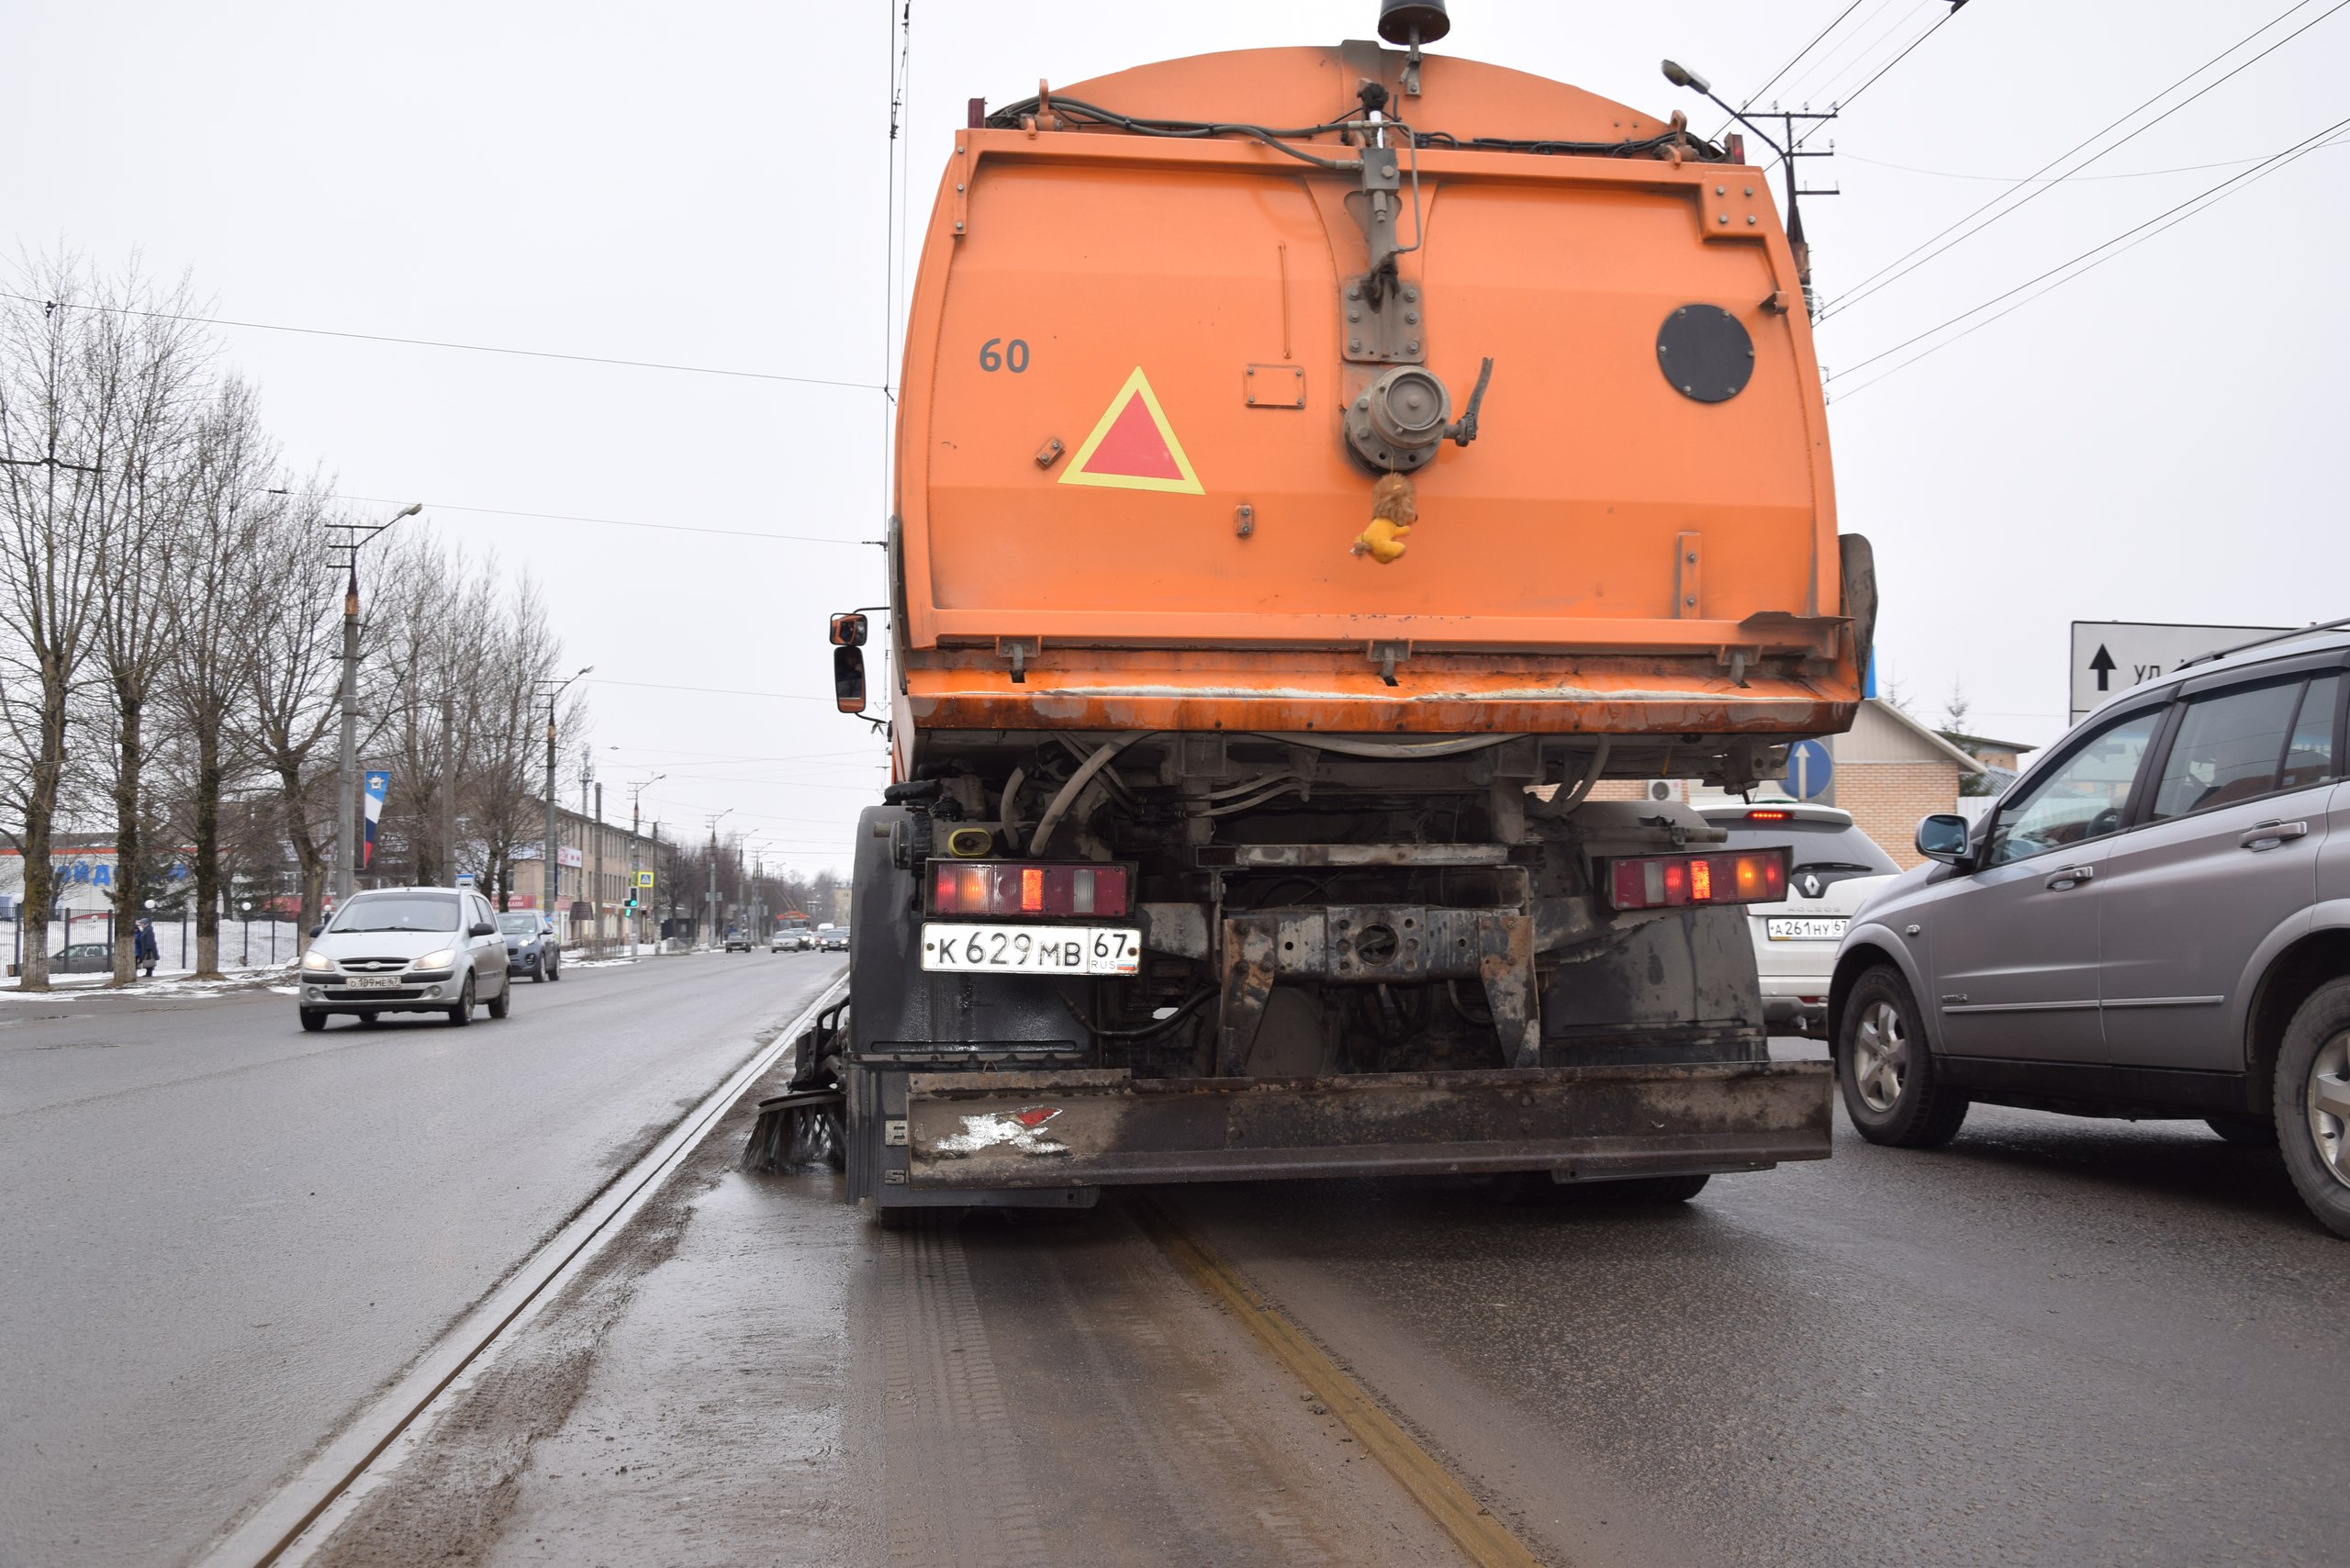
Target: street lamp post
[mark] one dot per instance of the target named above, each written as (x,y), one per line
(346,857)
(551,883)
(714,938)
(635,795)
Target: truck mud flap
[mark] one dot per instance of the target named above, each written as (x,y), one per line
(1084,1127)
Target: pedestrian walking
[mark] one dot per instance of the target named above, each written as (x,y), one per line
(145,954)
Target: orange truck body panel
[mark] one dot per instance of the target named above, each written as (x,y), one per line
(1609,556)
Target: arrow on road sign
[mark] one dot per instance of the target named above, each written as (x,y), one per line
(2103,664)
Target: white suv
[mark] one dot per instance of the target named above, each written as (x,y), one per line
(1833,868)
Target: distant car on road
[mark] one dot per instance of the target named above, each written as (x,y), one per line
(832,938)
(407,950)
(1833,868)
(793,937)
(2154,922)
(532,947)
(738,941)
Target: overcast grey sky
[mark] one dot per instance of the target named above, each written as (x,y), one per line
(702,184)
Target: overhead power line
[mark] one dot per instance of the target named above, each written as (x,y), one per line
(711,690)
(2029,179)
(1894,270)
(1940,22)
(467,348)
(1856,49)
(2135,236)
(620,522)
(1755,97)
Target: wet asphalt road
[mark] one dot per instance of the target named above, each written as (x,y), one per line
(222,1234)
(2056,1341)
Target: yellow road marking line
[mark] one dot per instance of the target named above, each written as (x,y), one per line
(1483,1538)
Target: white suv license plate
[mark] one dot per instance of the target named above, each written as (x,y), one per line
(1800,930)
(1031,949)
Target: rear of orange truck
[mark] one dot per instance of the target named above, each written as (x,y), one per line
(1331,483)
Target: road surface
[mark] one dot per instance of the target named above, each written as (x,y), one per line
(2057,1341)
(222,1234)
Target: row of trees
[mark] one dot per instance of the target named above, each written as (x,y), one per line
(171,611)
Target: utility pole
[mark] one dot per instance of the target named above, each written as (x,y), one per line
(449,782)
(550,884)
(598,895)
(353,537)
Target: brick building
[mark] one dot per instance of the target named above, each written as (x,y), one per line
(593,866)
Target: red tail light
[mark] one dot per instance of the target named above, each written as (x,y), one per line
(1769,816)
(1663,881)
(1014,888)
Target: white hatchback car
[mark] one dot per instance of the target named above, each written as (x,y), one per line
(1833,868)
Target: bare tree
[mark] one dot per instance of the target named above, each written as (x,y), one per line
(218,614)
(88,383)
(134,641)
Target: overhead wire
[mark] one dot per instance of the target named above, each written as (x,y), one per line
(1755,96)
(2029,179)
(1847,100)
(1894,270)
(2203,200)
(1856,46)
(446,344)
(609,521)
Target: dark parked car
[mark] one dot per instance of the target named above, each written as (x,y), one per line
(2154,922)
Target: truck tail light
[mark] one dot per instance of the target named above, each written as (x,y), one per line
(1664,882)
(1013,887)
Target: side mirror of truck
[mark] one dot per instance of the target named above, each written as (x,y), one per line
(848,679)
(1943,837)
(848,631)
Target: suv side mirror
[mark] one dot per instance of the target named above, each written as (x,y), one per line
(848,679)
(1943,837)
(481,929)
(848,631)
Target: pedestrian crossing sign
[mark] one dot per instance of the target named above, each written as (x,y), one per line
(645,879)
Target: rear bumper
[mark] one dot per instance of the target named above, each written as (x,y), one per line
(1073,1128)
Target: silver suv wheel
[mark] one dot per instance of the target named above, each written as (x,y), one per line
(2329,1106)
(1881,1055)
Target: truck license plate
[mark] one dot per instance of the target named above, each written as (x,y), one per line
(1798,930)
(371,982)
(1030,949)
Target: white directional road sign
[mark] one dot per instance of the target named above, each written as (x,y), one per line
(2112,657)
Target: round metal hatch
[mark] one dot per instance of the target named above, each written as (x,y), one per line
(1706,352)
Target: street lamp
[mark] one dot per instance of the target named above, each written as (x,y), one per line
(246,957)
(355,535)
(550,884)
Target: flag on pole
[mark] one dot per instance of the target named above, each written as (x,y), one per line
(379,784)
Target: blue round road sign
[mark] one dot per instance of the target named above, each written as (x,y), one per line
(1809,769)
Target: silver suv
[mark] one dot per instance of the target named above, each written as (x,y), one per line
(2154,922)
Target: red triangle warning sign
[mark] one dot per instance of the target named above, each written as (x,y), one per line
(1133,447)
